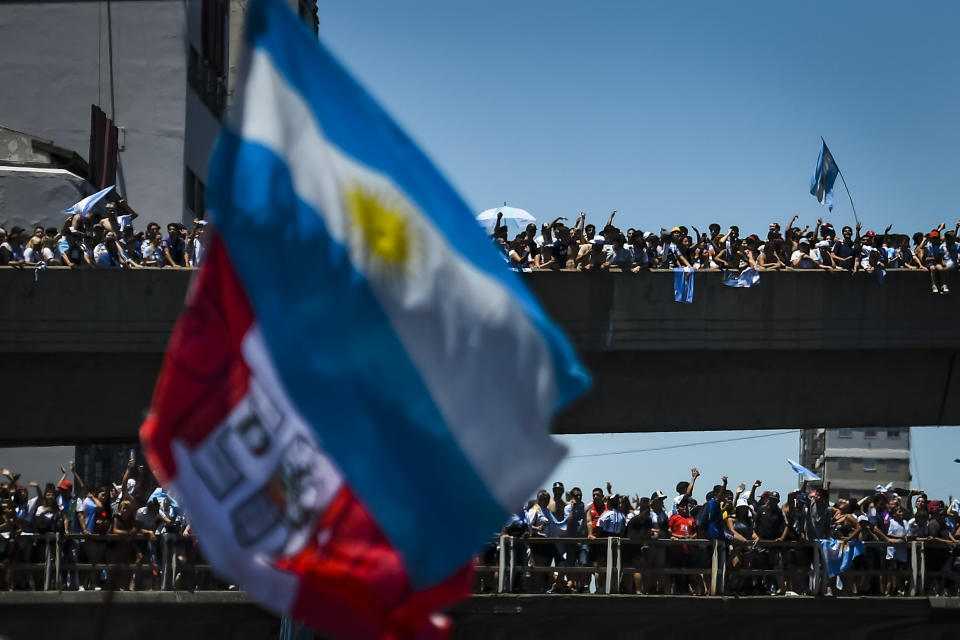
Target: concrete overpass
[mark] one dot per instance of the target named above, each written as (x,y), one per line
(79,351)
(164,614)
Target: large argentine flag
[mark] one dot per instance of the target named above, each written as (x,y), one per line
(353,346)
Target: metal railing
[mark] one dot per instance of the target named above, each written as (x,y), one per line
(722,567)
(56,561)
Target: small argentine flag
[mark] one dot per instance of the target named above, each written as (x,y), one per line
(84,206)
(803,471)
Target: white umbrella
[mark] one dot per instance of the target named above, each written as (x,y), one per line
(514,218)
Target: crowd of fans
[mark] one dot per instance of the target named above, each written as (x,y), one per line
(110,536)
(109,240)
(755,529)
(103,241)
(558,246)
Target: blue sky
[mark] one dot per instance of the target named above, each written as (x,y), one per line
(677,113)
(671,114)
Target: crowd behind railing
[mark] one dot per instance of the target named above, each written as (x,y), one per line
(890,542)
(893,541)
(68,536)
(105,240)
(584,247)
(108,239)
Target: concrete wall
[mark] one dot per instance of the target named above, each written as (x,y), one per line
(55,65)
(165,615)
(799,350)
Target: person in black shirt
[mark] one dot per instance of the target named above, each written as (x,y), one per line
(846,252)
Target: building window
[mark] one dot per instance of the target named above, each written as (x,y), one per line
(893,434)
(845,433)
(207,82)
(194,194)
(869,464)
(893,465)
(843,464)
(869,433)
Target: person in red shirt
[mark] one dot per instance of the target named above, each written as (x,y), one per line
(682,556)
(595,552)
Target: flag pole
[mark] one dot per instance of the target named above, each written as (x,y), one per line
(845,187)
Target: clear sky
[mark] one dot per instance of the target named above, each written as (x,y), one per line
(677,113)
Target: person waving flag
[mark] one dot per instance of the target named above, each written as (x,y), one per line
(341,423)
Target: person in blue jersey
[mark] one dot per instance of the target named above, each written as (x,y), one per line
(174,247)
(933,262)
(951,251)
(543,524)
(575,515)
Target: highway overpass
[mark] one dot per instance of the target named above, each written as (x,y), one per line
(162,615)
(79,351)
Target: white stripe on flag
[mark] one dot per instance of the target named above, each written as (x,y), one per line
(434,311)
(256,484)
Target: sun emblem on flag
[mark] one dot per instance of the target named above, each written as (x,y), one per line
(382,226)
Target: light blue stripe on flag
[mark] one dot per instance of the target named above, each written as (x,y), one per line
(747,278)
(683,285)
(84,206)
(407,376)
(803,471)
(824,175)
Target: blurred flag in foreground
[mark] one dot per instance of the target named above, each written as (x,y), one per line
(821,184)
(84,206)
(347,421)
(803,471)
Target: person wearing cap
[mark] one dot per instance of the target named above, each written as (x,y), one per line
(933,261)
(595,258)
(672,254)
(557,503)
(639,256)
(801,259)
(871,258)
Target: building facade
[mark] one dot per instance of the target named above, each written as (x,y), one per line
(855,461)
(162,71)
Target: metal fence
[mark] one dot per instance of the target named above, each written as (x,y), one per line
(56,561)
(708,567)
